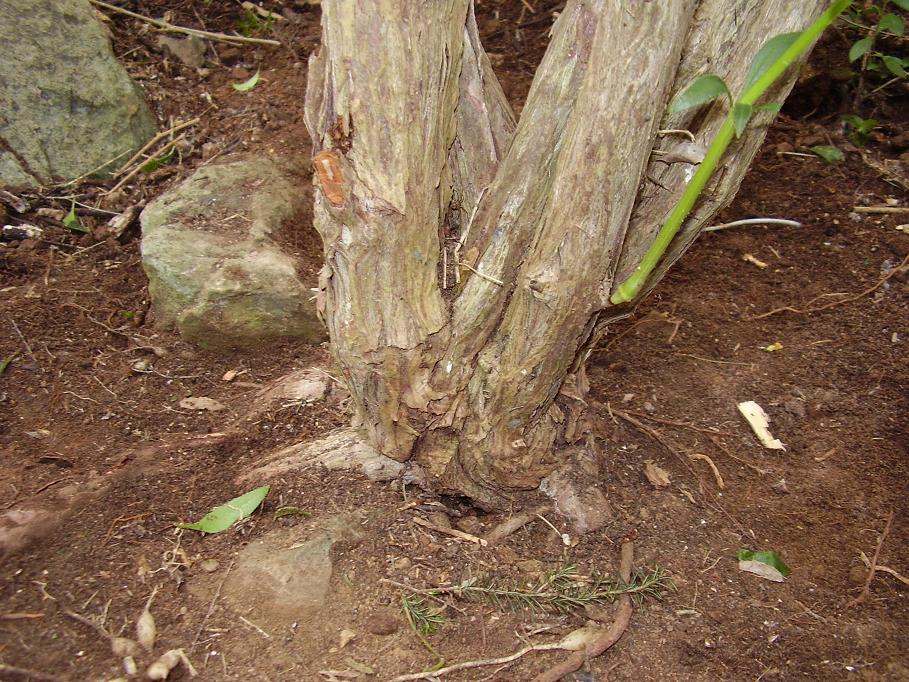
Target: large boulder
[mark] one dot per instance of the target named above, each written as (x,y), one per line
(214,267)
(68,107)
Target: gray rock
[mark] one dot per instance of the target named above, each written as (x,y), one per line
(278,579)
(69,107)
(215,270)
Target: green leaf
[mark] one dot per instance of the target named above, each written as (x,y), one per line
(859,48)
(223,517)
(4,363)
(247,85)
(772,107)
(772,50)
(892,23)
(704,88)
(894,65)
(764,557)
(72,220)
(902,4)
(829,153)
(155,164)
(741,114)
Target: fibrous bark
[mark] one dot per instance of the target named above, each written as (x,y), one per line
(469,261)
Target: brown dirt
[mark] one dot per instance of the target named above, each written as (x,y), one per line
(75,413)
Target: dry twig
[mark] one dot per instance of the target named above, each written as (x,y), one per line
(171,28)
(151,143)
(873,568)
(753,221)
(14,674)
(716,472)
(509,526)
(854,297)
(460,535)
(211,607)
(884,569)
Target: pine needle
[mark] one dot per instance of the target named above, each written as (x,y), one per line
(422,618)
(562,590)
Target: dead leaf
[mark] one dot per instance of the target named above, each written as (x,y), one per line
(762,570)
(748,258)
(759,421)
(345,638)
(202,403)
(658,476)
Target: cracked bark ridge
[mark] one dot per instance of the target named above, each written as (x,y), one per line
(469,260)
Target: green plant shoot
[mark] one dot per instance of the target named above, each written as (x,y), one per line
(769,64)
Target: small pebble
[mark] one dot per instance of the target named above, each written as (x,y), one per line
(210,565)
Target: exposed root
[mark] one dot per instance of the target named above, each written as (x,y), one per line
(853,297)
(340,449)
(509,526)
(608,637)
(716,472)
(873,568)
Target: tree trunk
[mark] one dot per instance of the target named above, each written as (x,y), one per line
(469,261)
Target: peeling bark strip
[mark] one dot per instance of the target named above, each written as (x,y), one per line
(420,166)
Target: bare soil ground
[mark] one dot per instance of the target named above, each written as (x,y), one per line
(76,416)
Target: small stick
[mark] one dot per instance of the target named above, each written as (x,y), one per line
(848,299)
(658,437)
(432,674)
(256,628)
(211,607)
(716,472)
(480,274)
(684,425)
(678,131)
(14,674)
(129,176)
(862,555)
(881,209)
(76,181)
(152,142)
(877,555)
(165,26)
(460,535)
(509,526)
(24,342)
(609,636)
(753,221)
(100,629)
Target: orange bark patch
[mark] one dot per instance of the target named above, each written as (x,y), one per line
(328,167)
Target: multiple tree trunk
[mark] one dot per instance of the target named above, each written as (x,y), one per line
(469,259)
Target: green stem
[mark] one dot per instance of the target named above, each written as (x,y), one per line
(631,287)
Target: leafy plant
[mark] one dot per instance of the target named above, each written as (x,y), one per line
(876,23)
(251,23)
(223,517)
(860,128)
(768,65)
